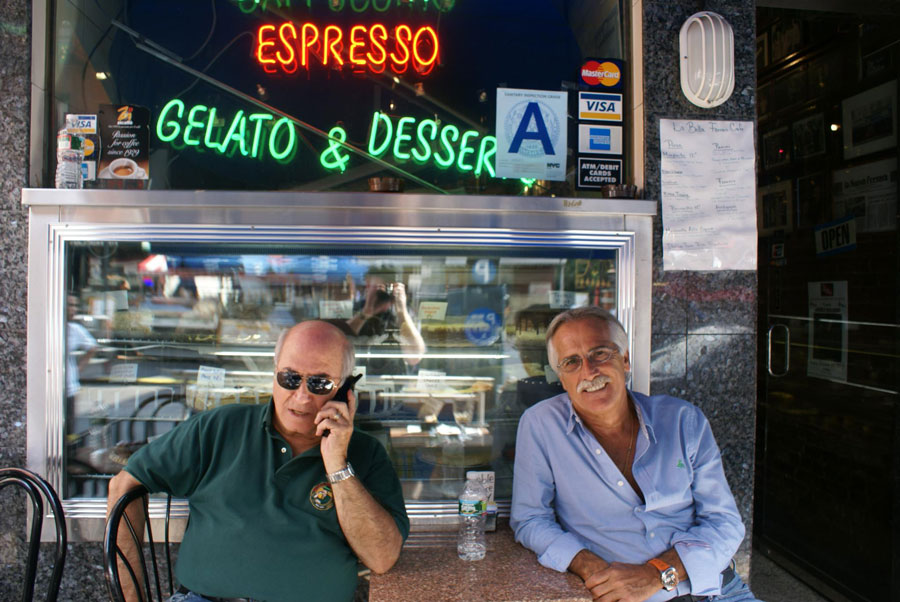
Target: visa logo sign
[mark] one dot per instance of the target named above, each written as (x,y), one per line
(594,106)
(602,106)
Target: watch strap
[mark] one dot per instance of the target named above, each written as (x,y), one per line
(341,475)
(668,574)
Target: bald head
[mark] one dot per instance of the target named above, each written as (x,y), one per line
(316,334)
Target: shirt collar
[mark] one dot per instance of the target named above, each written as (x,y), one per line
(573,417)
(266,419)
(266,423)
(646,429)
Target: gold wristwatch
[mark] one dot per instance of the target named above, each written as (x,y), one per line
(668,574)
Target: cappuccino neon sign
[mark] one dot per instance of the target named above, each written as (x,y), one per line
(287,47)
(357,6)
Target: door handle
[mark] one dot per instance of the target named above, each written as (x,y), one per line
(787,350)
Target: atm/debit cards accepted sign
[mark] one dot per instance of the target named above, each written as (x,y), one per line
(597,173)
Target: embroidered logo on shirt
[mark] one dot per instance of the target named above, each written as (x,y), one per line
(680,464)
(321,497)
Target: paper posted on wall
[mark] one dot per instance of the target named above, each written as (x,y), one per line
(708,178)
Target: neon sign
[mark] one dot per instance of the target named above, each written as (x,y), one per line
(463,150)
(248,134)
(357,6)
(252,135)
(287,47)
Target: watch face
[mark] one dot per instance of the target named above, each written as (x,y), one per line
(669,578)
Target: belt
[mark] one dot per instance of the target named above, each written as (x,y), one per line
(183,590)
(727,575)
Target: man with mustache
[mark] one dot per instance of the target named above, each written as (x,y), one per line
(625,490)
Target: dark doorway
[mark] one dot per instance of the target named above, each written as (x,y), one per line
(826,503)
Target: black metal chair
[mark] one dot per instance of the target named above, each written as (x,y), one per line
(38,489)
(113,552)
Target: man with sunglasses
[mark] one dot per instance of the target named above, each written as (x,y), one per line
(284,497)
(625,490)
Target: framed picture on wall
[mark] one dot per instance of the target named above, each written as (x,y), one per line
(809,136)
(812,206)
(763,96)
(870,120)
(822,75)
(762,50)
(787,38)
(774,207)
(777,148)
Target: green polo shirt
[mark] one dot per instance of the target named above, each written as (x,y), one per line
(262,522)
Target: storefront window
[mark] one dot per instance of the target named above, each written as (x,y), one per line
(262,94)
(159,331)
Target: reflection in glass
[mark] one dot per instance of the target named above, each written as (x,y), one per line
(450,344)
(217,79)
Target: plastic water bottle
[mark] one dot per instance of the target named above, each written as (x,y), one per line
(472,507)
(69,155)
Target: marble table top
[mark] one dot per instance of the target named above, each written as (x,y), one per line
(508,573)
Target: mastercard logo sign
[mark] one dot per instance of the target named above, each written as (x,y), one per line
(601,73)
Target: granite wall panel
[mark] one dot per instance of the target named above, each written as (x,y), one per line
(668,364)
(83,576)
(708,319)
(15,45)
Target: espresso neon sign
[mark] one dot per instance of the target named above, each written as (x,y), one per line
(287,47)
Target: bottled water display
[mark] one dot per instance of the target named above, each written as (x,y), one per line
(69,155)
(472,508)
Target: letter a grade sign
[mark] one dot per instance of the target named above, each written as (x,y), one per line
(531,134)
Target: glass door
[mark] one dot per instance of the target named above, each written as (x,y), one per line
(827,462)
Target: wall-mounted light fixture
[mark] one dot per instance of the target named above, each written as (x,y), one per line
(707,59)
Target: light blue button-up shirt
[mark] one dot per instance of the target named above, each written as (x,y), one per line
(568,494)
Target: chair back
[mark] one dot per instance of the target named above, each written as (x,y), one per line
(146,577)
(38,490)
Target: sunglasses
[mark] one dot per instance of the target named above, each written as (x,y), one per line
(317,385)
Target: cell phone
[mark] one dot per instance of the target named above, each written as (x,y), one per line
(342,394)
(348,385)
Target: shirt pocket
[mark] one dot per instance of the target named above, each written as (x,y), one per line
(672,490)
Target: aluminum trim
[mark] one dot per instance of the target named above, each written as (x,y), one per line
(58,217)
(335,200)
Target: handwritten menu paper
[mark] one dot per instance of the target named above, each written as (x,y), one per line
(708,195)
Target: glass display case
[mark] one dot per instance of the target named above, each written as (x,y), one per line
(145,308)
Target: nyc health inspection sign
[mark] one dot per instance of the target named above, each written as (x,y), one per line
(531,134)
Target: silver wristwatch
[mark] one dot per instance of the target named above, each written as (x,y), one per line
(668,574)
(341,475)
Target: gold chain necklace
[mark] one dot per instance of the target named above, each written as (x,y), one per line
(630,445)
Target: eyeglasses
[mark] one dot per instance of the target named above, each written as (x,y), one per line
(317,385)
(596,356)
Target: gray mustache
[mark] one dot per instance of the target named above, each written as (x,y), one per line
(586,384)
